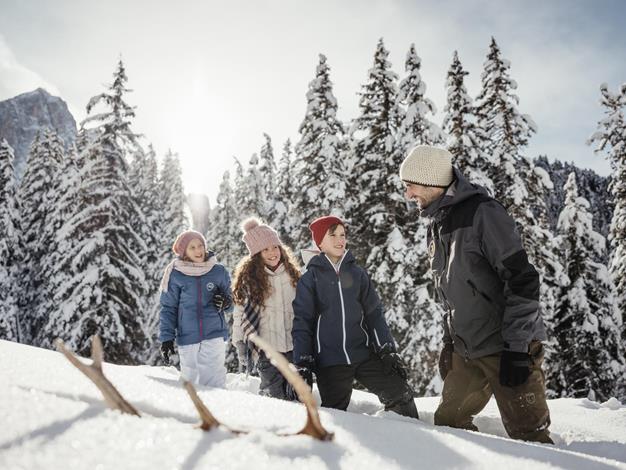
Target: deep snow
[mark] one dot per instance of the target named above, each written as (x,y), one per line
(54,418)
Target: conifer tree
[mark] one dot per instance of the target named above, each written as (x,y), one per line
(403,281)
(144,182)
(506,130)
(586,324)
(268,172)
(284,196)
(267,167)
(386,227)
(54,263)
(415,126)
(377,156)
(610,138)
(103,294)
(224,235)
(10,324)
(174,220)
(518,184)
(318,168)
(37,194)
(464,136)
(224,238)
(253,196)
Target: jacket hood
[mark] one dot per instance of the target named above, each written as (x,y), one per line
(460,190)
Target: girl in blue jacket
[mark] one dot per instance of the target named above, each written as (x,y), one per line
(195,294)
(339,330)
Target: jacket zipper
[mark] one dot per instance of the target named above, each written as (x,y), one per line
(443,295)
(343,309)
(199,307)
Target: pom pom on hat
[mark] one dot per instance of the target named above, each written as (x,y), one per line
(250,223)
(258,236)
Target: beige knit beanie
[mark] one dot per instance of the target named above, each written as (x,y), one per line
(427,166)
(257,236)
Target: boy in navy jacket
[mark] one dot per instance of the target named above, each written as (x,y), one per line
(339,330)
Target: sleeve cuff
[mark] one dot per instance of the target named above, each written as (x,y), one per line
(518,346)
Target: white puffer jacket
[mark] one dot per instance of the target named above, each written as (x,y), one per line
(277,314)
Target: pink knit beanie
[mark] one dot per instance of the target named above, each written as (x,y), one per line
(182,240)
(257,236)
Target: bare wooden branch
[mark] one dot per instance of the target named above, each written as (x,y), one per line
(208,420)
(313,426)
(93,371)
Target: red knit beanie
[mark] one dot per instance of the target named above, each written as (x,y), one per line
(182,240)
(320,226)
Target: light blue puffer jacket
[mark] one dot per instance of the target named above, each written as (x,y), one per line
(187,311)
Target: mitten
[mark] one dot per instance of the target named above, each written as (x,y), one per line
(167,349)
(222,302)
(392,362)
(514,368)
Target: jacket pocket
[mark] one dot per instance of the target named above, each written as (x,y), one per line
(476,290)
(180,321)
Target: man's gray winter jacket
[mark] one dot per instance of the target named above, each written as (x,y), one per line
(483,277)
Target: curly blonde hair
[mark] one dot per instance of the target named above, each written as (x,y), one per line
(251,281)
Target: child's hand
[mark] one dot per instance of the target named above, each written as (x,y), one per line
(221,302)
(167,349)
(392,362)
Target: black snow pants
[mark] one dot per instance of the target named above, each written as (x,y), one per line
(335,386)
(273,384)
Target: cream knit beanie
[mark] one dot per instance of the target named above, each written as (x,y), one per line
(258,236)
(427,166)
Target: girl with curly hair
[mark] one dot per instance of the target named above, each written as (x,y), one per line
(264,288)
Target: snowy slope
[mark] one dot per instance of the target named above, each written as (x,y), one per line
(53,418)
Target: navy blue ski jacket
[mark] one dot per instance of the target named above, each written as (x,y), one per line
(338,316)
(187,310)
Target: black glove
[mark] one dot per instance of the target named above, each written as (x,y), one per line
(167,349)
(445,360)
(514,368)
(392,362)
(305,369)
(221,301)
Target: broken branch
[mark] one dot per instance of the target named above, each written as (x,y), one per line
(93,371)
(313,426)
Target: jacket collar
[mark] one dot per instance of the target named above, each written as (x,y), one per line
(322,261)
(278,271)
(460,190)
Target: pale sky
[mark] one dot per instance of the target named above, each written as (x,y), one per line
(209,77)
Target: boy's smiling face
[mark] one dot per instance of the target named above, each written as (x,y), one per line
(334,243)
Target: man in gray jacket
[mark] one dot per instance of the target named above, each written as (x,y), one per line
(490,292)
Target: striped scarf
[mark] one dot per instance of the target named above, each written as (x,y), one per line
(250,322)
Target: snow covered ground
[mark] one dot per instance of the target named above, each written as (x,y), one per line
(52,417)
